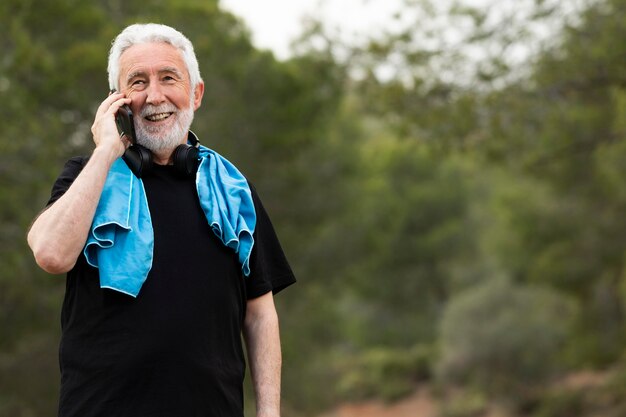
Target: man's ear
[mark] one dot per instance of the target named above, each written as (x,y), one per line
(197,95)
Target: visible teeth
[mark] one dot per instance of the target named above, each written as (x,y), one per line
(158,117)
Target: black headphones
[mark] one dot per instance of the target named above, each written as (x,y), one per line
(186,158)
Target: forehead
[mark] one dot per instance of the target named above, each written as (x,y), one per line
(150,58)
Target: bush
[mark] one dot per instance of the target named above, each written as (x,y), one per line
(385,373)
(503,339)
(464,404)
(560,404)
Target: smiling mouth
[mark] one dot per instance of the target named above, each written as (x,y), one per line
(158,117)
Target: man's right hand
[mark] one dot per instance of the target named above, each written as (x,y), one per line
(104,129)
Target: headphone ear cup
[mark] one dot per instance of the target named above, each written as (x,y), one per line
(186,159)
(138,159)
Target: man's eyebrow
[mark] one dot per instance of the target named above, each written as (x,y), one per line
(172,70)
(135,74)
(164,70)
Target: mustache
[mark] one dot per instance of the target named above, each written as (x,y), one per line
(150,109)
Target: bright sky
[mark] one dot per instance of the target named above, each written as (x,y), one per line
(275,23)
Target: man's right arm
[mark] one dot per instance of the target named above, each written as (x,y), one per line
(58,235)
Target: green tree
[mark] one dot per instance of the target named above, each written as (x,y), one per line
(565,127)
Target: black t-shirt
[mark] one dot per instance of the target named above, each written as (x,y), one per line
(176,349)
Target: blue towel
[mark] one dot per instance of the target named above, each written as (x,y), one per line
(121,238)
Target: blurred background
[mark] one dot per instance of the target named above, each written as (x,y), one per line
(449,187)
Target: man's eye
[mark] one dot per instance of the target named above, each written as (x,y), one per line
(138,84)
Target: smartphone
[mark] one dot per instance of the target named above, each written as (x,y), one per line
(125,124)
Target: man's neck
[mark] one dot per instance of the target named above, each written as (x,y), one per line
(164,157)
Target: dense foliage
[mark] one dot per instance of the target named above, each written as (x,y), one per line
(452,205)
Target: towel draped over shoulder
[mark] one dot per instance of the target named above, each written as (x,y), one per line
(121,238)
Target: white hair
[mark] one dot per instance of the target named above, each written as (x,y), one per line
(146,33)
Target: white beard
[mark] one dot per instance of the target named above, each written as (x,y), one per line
(159,139)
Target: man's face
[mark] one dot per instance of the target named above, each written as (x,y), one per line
(155,77)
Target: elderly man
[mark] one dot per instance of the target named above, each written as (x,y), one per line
(168,251)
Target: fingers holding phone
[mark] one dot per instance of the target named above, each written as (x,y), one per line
(105,128)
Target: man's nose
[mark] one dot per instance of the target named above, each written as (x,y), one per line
(154,94)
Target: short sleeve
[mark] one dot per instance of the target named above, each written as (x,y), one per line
(70,171)
(270,270)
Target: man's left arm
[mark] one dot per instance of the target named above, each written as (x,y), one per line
(264,354)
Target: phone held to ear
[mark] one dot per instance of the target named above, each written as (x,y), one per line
(138,158)
(124,121)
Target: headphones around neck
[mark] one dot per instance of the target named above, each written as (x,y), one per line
(186,158)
